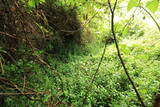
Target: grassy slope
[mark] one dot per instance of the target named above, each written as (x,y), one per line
(111,85)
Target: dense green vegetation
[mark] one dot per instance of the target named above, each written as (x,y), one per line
(62,53)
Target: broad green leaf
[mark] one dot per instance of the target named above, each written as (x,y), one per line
(152,5)
(42,1)
(31,3)
(125,31)
(132,4)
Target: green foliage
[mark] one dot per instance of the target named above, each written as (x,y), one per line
(129,30)
(153,5)
(111,87)
(34,3)
(76,64)
(132,4)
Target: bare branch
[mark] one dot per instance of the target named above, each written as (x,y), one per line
(7,34)
(115,5)
(26,93)
(120,57)
(151,17)
(110,7)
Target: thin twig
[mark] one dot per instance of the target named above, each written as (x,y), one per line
(130,20)
(97,70)
(7,34)
(1,65)
(26,93)
(94,75)
(119,54)
(9,56)
(151,17)
(24,82)
(14,86)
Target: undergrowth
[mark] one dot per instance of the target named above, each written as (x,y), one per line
(111,87)
(62,65)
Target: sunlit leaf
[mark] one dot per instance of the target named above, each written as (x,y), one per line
(132,4)
(125,31)
(31,3)
(152,5)
(41,1)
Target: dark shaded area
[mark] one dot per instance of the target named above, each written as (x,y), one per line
(18,29)
(65,23)
(48,27)
(157,101)
(24,31)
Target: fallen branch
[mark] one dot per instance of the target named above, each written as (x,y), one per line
(26,93)
(20,91)
(7,34)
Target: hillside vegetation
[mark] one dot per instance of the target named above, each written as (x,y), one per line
(64,53)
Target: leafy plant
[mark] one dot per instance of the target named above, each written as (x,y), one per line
(34,3)
(153,5)
(132,4)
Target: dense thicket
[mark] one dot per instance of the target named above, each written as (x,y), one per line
(50,51)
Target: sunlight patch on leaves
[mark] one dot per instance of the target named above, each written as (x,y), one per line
(132,4)
(152,5)
(31,3)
